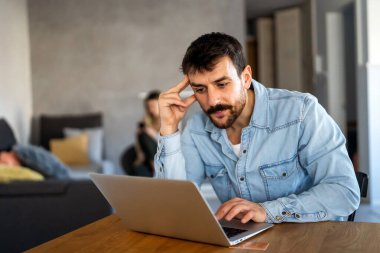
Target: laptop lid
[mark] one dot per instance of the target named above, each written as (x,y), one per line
(173,208)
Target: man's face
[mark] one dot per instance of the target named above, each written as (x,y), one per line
(220,92)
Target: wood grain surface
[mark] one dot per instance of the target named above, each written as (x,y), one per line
(110,235)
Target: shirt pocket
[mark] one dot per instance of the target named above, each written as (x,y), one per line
(280,178)
(219,179)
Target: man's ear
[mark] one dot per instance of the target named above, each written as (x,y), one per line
(246,76)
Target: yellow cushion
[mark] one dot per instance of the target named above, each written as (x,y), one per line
(71,150)
(17,173)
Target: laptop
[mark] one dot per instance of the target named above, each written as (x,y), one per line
(172,208)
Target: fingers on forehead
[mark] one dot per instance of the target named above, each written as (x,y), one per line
(181,85)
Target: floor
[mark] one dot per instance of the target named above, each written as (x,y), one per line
(365,213)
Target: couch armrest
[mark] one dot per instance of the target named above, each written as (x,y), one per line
(29,216)
(29,188)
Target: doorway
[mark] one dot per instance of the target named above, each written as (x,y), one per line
(341,74)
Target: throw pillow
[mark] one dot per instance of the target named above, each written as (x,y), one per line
(17,173)
(71,150)
(95,141)
(41,161)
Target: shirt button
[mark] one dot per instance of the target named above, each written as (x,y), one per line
(244,151)
(212,176)
(298,215)
(242,179)
(283,213)
(284,174)
(278,218)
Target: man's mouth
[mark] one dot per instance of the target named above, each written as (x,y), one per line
(219,114)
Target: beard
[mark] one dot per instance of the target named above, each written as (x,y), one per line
(231,118)
(234,111)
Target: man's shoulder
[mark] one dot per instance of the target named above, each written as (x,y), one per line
(286,107)
(291,98)
(283,94)
(280,97)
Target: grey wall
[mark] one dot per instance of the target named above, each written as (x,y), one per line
(96,55)
(15,81)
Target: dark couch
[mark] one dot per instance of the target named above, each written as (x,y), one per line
(34,212)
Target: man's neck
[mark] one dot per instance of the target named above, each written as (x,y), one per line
(234,132)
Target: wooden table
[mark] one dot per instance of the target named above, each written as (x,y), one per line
(110,235)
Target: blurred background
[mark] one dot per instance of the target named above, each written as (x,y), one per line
(84,56)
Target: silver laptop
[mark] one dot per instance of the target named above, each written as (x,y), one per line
(173,208)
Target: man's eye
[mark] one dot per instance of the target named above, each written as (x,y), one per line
(222,85)
(199,90)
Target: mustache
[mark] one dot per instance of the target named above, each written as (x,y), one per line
(218,107)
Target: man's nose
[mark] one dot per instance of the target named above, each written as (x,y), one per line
(213,97)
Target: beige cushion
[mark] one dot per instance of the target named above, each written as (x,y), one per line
(71,150)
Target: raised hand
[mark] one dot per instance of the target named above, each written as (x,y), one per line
(173,108)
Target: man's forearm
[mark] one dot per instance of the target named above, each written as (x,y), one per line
(317,204)
(169,161)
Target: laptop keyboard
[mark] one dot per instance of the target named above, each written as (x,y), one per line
(231,232)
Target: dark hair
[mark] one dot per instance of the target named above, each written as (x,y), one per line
(204,52)
(154,94)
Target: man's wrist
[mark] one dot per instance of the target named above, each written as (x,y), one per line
(267,214)
(167,130)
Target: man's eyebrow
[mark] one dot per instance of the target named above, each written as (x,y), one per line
(215,81)
(196,85)
(221,79)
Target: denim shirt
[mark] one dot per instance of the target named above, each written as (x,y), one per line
(293,161)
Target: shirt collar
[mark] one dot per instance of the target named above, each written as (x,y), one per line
(259,117)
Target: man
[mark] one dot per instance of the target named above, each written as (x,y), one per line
(271,155)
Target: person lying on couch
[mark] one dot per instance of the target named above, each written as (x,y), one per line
(9,158)
(36,159)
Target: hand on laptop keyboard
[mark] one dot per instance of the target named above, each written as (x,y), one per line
(242,209)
